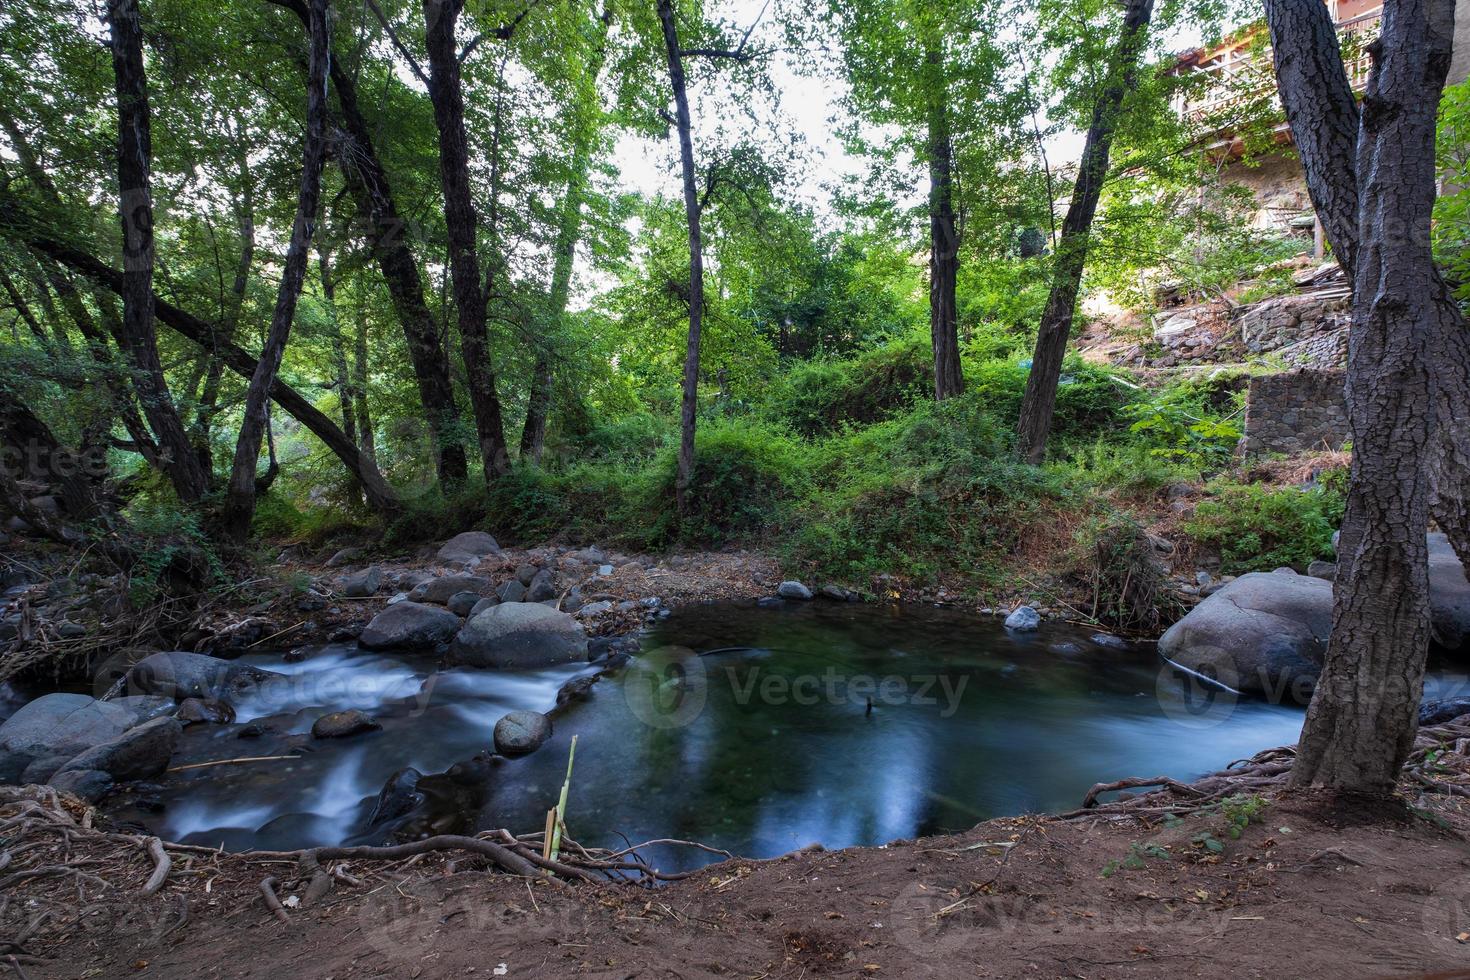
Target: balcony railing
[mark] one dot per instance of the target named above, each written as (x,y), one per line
(1246,76)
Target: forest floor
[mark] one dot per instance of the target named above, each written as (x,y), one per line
(1298,894)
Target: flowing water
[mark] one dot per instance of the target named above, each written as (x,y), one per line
(840,723)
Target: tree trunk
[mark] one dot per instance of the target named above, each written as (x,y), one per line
(1363,717)
(1039,402)
(365,440)
(386,234)
(342,379)
(138,340)
(944,238)
(447,95)
(689,403)
(239,505)
(380,496)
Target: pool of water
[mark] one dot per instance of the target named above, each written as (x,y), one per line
(755,729)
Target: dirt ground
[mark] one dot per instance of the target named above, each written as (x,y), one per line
(1293,896)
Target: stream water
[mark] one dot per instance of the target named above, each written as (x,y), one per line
(845,724)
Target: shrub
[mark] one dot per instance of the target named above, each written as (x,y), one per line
(823,395)
(1256,528)
(1088,399)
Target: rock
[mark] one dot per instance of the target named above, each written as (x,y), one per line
(360,585)
(525,573)
(340,724)
(837,593)
(86,784)
(521,732)
(482,605)
(396,598)
(205,710)
(604,570)
(1449,596)
(137,753)
(541,587)
(59,726)
(1283,570)
(1203,578)
(1262,634)
(398,796)
(1438,712)
(467,546)
(594,609)
(512,591)
(1023,619)
(345,556)
(519,634)
(1323,570)
(1109,641)
(409,626)
(461,603)
(440,590)
(793,590)
(181,675)
(577,689)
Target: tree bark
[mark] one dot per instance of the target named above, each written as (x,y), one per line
(239,505)
(342,379)
(365,440)
(689,402)
(386,233)
(138,340)
(1363,717)
(1039,402)
(944,238)
(447,94)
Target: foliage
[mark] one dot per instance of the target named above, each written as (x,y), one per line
(1452,209)
(1196,421)
(1259,528)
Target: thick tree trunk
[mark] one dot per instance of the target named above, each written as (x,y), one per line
(387,235)
(139,343)
(1363,717)
(447,95)
(239,505)
(689,403)
(1039,402)
(30,451)
(944,240)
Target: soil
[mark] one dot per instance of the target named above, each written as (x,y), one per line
(1298,894)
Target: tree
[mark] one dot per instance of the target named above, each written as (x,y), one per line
(1372,178)
(1119,78)
(137,337)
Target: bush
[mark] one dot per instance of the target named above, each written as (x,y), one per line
(1257,528)
(1088,399)
(821,396)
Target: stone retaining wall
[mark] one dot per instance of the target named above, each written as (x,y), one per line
(1294,412)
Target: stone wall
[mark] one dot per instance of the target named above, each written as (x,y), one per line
(1294,412)
(1286,320)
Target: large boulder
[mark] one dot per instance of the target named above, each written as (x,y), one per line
(409,626)
(440,590)
(362,584)
(85,784)
(1449,596)
(180,675)
(137,753)
(59,726)
(519,634)
(521,732)
(1263,634)
(469,546)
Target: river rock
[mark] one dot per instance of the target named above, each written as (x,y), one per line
(1023,619)
(344,556)
(463,603)
(210,711)
(542,587)
(409,626)
(179,675)
(59,726)
(1263,634)
(576,690)
(440,590)
(360,585)
(471,545)
(594,609)
(526,573)
(398,796)
(341,724)
(512,591)
(137,753)
(1449,596)
(521,732)
(483,604)
(791,589)
(1326,570)
(1437,712)
(85,784)
(519,634)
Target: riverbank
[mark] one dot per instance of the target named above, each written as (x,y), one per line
(1112,893)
